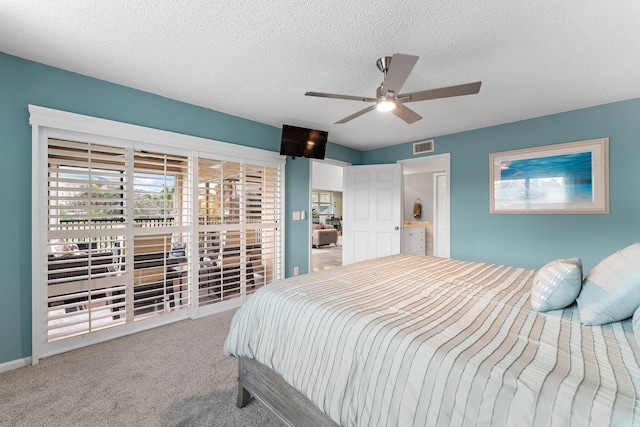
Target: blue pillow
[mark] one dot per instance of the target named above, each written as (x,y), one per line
(611,291)
(556,285)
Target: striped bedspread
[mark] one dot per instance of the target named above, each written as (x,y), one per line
(411,340)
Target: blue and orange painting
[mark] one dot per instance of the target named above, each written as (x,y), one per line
(545,181)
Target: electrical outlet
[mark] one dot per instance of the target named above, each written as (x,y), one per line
(296,271)
(296,216)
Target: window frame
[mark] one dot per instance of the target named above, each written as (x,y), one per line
(49,123)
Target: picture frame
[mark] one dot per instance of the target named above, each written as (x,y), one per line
(569,178)
(325,197)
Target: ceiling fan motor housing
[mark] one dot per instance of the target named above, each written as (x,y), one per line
(383,64)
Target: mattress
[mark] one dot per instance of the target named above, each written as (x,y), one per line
(424,341)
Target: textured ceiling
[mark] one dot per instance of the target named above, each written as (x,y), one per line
(256,59)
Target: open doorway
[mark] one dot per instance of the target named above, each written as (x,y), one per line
(326,214)
(426,205)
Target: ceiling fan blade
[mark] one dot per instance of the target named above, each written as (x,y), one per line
(406,114)
(336,96)
(399,70)
(354,115)
(443,92)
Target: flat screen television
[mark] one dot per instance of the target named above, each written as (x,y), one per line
(302,142)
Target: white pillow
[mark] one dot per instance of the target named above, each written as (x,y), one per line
(611,291)
(556,285)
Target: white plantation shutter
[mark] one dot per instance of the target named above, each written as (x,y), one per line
(86,221)
(264,243)
(162,218)
(238,228)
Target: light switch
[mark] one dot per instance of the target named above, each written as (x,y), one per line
(303,215)
(296,216)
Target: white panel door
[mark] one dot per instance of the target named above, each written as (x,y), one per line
(373,212)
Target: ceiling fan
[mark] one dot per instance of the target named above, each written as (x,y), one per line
(396,70)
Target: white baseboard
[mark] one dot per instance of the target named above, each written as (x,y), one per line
(15,364)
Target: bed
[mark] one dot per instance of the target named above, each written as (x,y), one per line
(411,340)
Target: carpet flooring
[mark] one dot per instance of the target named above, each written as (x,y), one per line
(174,375)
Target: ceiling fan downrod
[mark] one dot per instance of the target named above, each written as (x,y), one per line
(383,64)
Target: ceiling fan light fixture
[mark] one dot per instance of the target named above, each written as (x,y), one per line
(386,105)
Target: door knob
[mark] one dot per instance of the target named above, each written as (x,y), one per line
(397,228)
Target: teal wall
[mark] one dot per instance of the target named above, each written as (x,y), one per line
(297,199)
(533,240)
(24,82)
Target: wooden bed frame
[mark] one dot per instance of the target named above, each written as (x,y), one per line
(288,404)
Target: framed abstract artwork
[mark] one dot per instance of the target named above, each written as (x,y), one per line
(562,178)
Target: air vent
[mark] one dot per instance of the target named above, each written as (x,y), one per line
(423,147)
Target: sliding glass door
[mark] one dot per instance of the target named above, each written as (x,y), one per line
(133,233)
